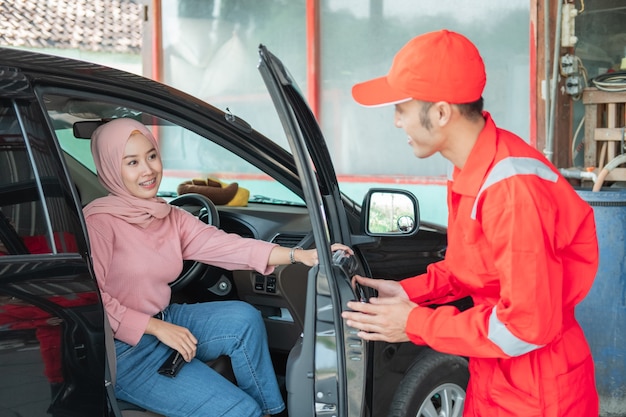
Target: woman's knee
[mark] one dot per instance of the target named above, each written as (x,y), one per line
(247,314)
(246,323)
(222,319)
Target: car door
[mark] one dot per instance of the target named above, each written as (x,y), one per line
(51,340)
(326,372)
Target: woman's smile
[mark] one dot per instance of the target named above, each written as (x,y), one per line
(142,169)
(148,184)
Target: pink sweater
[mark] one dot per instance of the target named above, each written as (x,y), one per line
(133,266)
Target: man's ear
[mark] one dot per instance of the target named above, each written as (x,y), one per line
(444,112)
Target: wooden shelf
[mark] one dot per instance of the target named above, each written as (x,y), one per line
(605,134)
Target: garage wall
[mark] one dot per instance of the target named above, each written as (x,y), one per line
(210,50)
(359,43)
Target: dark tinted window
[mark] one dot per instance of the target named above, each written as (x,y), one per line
(29,175)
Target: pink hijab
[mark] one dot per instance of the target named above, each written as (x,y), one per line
(108,143)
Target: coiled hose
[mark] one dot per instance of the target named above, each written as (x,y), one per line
(611,81)
(614,163)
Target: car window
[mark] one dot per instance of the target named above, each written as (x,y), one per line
(186,155)
(36,215)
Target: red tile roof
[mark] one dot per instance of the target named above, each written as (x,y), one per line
(90,25)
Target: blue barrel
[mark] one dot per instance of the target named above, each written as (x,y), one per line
(602,314)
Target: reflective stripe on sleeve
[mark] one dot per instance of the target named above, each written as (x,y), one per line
(512,166)
(505,340)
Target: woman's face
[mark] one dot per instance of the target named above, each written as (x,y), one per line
(141,167)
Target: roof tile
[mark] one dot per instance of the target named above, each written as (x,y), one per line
(91,25)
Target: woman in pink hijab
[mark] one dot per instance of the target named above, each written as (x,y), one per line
(138,244)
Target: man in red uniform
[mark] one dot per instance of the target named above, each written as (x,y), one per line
(521,243)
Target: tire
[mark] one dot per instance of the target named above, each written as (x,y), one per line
(434,386)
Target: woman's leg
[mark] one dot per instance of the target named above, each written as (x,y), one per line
(236,329)
(196,391)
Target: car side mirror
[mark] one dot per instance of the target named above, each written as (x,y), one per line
(390,212)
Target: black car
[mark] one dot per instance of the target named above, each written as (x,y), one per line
(55,355)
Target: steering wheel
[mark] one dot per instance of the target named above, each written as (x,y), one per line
(205,210)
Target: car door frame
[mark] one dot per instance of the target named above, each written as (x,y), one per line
(329,287)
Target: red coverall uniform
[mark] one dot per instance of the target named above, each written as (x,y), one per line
(523,245)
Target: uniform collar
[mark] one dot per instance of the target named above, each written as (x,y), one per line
(469,180)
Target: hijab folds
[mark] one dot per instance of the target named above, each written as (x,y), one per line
(108,143)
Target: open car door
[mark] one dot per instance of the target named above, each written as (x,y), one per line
(326,370)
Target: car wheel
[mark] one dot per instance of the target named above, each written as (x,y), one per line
(434,386)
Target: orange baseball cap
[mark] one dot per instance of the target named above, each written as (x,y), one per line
(435,66)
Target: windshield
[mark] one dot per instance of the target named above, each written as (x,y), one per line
(188,158)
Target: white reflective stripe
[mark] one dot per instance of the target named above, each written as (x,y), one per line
(505,340)
(512,166)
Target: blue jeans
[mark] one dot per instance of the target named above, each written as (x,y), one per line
(232,328)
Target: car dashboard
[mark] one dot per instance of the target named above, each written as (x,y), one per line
(281,295)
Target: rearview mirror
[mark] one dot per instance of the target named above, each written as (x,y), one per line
(390,212)
(85,128)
